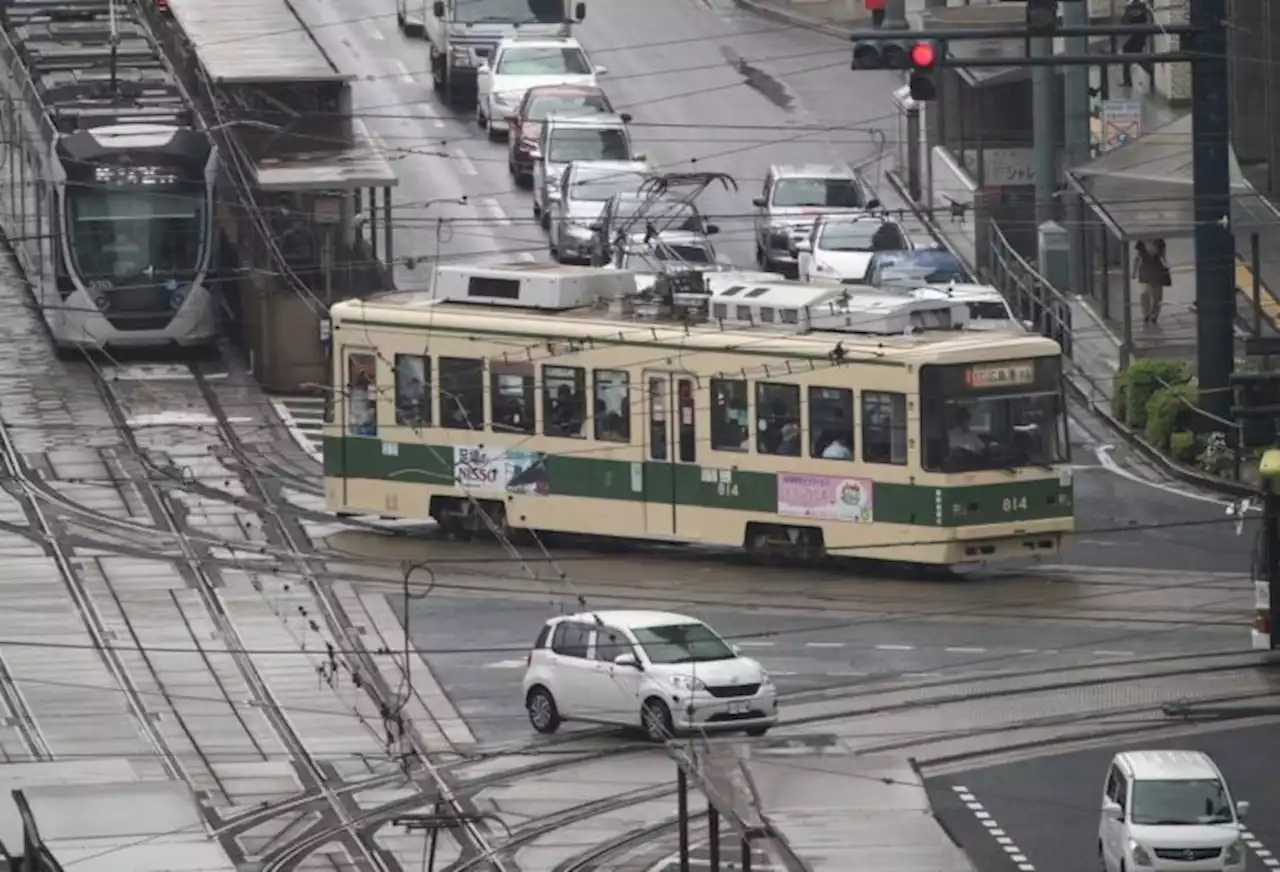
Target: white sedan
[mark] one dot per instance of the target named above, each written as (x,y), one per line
(519,64)
(842,247)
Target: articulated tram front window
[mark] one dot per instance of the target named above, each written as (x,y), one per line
(120,235)
(993,415)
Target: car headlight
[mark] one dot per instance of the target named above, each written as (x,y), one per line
(1141,856)
(504,99)
(765,680)
(685,682)
(1235,854)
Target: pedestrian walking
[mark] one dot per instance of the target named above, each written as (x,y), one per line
(1151,269)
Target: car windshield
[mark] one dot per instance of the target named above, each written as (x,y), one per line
(571,143)
(829,193)
(992,310)
(663,256)
(664,215)
(908,271)
(598,186)
(580,104)
(1180,803)
(683,643)
(514,11)
(532,61)
(861,236)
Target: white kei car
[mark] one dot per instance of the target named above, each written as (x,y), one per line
(666,673)
(1169,811)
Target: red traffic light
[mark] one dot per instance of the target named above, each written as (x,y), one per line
(923,55)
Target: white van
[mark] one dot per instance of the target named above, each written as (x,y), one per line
(1169,810)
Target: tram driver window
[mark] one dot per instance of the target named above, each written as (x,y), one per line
(461,393)
(612,406)
(514,400)
(362,395)
(564,401)
(831,423)
(730,418)
(778,419)
(884,428)
(413,390)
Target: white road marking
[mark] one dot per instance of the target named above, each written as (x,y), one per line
(755,644)
(465,166)
(493,211)
(506,664)
(405,75)
(1103,453)
(1002,839)
(777,674)
(966,650)
(848,673)
(372,29)
(1029,651)
(824,644)
(296,432)
(895,647)
(1102,652)
(922,675)
(1255,844)
(430,112)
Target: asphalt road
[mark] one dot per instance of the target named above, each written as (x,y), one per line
(476,647)
(1049,807)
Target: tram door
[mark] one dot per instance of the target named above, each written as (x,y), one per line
(671,454)
(360,418)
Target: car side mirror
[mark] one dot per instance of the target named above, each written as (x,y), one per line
(1242,808)
(483,68)
(873,203)
(758,202)
(602,71)
(713,229)
(437,9)
(1112,810)
(1029,326)
(626,117)
(736,649)
(628,660)
(805,246)
(535,154)
(639,157)
(580,11)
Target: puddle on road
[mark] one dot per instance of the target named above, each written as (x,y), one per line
(758,80)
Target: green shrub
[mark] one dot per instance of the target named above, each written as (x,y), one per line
(1182,446)
(1166,410)
(1136,384)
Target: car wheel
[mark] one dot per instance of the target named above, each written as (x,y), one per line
(546,220)
(762,259)
(755,732)
(655,717)
(543,713)
(495,135)
(481,121)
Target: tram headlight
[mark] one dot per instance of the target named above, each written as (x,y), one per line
(102,302)
(176,299)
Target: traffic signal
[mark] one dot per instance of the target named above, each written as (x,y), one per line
(1042,17)
(923,57)
(878,55)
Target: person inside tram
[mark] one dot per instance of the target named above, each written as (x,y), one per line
(962,439)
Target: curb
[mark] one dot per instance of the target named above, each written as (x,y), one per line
(767,10)
(1177,470)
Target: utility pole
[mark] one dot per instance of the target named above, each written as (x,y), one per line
(1043,130)
(895,16)
(1076,134)
(1211,170)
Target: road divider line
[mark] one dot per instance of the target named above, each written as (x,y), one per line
(372,29)
(895,647)
(1102,652)
(405,75)
(429,112)
(960,650)
(755,644)
(465,166)
(1255,844)
(1002,838)
(824,644)
(494,211)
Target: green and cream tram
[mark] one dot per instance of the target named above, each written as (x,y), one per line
(771,416)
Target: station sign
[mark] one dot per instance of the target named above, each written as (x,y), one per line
(999,375)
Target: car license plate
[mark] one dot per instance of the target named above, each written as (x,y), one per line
(739,708)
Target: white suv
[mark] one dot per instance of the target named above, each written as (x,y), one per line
(1169,810)
(662,672)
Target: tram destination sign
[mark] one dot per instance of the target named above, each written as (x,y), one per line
(999,375)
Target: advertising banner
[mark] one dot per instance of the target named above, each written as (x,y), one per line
(489,470)
(826,498)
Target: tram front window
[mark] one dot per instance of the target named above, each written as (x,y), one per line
(121,234)
(993,416)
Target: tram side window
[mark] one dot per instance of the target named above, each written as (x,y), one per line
(730,418)
(778,419)
(514,401)
(461,393)
(612,405)
(564,401)
(362,395)
(413,390)
(884,428)
(831,423)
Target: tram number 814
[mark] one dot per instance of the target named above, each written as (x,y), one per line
(1014,504)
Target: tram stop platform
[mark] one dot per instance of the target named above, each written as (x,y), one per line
(823,805)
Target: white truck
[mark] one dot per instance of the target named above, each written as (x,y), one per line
(462,33)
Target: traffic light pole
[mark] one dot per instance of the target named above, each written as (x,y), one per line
(1076,134)
(1042,118)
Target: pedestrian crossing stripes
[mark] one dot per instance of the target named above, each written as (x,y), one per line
(304,417)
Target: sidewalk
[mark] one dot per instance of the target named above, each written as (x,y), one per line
(829,16)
